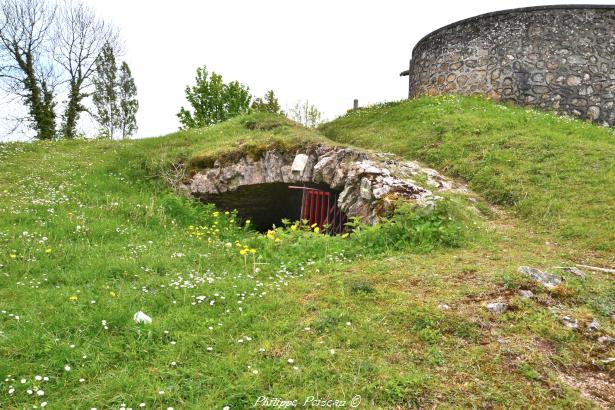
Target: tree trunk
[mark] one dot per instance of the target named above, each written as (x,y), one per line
(39,99)
(73,109)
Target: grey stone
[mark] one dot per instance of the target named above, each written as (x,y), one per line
(569,322)
(299,163)
(324,169)
(366,189)
(593,112)
(606,340)
(526,294)
(586,90)
(577,60)
(497,308)
(593,326)
(546,279)
(575,271)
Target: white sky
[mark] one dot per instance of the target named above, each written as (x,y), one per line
(328,52)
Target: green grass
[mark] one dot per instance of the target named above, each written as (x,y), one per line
(89,233)
(556,172)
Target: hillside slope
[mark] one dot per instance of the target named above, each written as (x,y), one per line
(393,316)
(557,172)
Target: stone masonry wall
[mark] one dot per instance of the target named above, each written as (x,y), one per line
(558,58)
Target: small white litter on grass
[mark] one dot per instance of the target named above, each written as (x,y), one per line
(141,317)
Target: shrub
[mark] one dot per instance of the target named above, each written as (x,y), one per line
(422,228)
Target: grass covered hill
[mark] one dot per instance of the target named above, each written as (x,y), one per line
(556,172)
(391,316)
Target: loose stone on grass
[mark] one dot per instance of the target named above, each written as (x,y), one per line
(546,279)
(526,294)
(569,322)
(593,326)
(497,308)
(607,340)
(575,271)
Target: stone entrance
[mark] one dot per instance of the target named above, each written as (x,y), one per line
(368,184)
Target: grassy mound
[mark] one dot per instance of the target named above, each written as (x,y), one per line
(199,148)
(91,233)
(559,173)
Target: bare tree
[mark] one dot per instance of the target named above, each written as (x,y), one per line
(305,114)
(25,69)
(49,49)
(80,37)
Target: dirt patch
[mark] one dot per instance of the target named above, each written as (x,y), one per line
(593,384)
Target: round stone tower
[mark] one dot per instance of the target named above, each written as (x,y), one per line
(558,58)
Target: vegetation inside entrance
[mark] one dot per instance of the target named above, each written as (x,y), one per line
(268,205)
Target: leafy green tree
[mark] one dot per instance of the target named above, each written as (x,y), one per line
(114,97)
(129,105)
(213,101)
(305,114)
(105,97)
(268,104)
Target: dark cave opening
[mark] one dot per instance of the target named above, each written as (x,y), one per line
(268,204)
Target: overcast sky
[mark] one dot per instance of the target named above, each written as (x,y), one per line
(328,52)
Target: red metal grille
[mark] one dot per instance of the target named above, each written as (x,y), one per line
(320,207)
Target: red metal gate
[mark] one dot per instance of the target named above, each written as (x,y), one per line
(320,207)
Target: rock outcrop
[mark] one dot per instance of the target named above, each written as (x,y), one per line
(368,183)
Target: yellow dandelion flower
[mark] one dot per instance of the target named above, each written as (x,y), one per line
(13,256)
(48,250)
(248,222)
(112,293)
(313,225)
(344,236)
(73,298)
(316,230)
(293,227)
(252,251)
